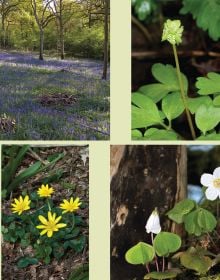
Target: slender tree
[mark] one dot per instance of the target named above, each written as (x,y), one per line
(6,8)
(106,32)
(42,16)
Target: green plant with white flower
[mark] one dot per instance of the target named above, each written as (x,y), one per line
(199,224)
(156,106)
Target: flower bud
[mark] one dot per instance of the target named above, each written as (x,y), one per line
(172,32)
(153,223)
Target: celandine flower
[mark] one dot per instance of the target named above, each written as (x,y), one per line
(70,206)
(153,223)
(172,32)
(213,184)
(45,191)
(50,225)
(21,204)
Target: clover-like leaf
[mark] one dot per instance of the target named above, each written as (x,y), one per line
(161,275)
(166,243)
(192,259)
(191,223)
(136,134)
(209,85)
(180,210)
(141,253)
(206,220)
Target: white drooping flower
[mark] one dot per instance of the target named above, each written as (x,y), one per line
(212,181)
(153,223)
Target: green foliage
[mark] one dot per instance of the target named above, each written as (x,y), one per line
(142,253)
(26,261)
(166,95)
(181,209)
(80,273)
(161,275)
(201,11)
(209,85)
(196,260)
(166,243)
(14,156)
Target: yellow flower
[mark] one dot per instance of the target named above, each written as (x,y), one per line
(21,204)
(45,191)
(50,225)
(70,206)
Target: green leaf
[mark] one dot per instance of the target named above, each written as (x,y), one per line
(191,259)
(166,74)
(166,243)
(209,85)
(206,13)
(156,91)
(207,118)
(195,103)
(142,253)
(147,114)
(206,220)
(191,223)
(211,136)
(172,105)
(216,101)
(26,261)
(161,275)
(136,134)
(160,134)
(180,209)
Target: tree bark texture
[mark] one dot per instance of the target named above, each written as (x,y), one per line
(143,177)
(41,51)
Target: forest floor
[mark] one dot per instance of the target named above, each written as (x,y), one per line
(53,99)
(73,181)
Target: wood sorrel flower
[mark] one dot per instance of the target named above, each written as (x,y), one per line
(45,191)
(172,32)
(213,184)
(21,204)
(153,223)
(70,206)
(50,225)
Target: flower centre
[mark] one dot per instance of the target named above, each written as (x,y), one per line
(216,183)
(51,226)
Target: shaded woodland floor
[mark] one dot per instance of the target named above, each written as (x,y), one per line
(53,99)
(72,182)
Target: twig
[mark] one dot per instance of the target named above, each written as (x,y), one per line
(142,28)
(36,156)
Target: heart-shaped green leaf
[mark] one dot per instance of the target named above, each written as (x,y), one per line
(136,134)
(207,117)
(191,259)
(209,85)
(166,243)
(172,105)
(142,253)
(206,220)
(191,223)
(180,209)
(161,275)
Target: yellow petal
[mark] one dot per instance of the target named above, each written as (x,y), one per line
(43,232)
(43,220)
(58,219)
(49,233)
(41,226)
(71,200)
(60,225)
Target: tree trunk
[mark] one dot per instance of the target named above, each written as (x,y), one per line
(143,177)
(106,31)
(62,50)
(3,32)
(41,55)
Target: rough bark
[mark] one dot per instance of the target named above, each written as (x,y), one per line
(144,177)
(106,32)
(41,50)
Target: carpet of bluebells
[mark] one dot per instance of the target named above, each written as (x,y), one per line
(24,78)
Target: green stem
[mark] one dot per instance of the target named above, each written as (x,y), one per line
(48,203)
(189,119)
(156,262)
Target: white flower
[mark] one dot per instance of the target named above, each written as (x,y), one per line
(153,223)
(213,184)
